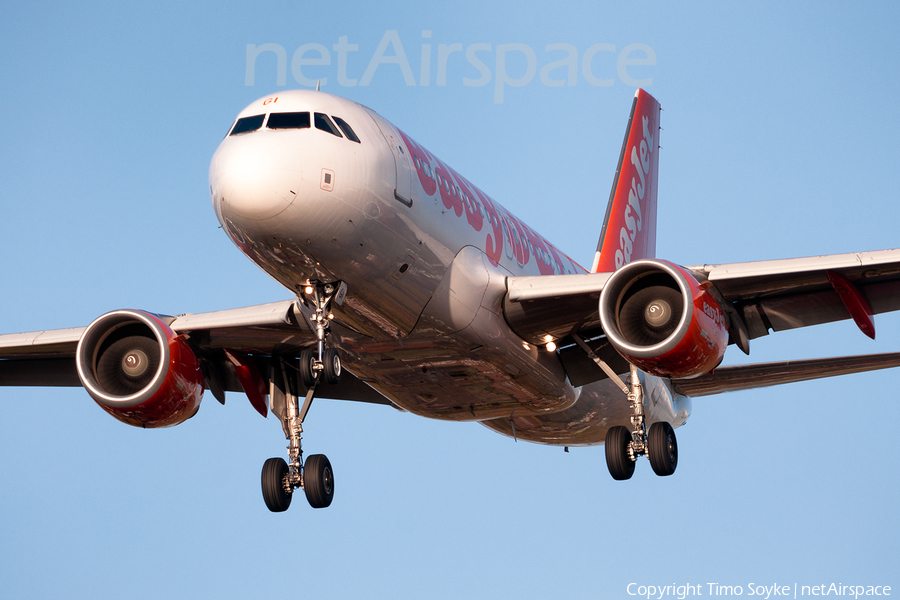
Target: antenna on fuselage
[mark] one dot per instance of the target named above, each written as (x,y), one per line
(318,81)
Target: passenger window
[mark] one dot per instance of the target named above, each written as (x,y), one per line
(325,124)
(291,120)
(348,131)
(247,124)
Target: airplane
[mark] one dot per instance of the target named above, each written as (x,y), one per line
(412,288)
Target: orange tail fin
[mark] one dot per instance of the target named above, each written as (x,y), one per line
(629,229)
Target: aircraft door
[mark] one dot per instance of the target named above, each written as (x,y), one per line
(402,165)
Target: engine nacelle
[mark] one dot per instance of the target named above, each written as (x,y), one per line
(656,315)
(138,370)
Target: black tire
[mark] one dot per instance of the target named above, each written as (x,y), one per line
(274,472)
(331,363)
(307,372)
(663,448)
(318,481)
(620,466)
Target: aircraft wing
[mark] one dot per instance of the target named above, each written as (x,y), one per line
(769,295)
(786,294)
(756,297)
(555,305)
(47,358)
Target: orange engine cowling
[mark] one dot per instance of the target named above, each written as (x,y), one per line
(138,370)
(659,318)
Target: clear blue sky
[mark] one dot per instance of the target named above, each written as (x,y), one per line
(779,139)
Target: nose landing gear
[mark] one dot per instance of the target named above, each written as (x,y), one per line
(321,361)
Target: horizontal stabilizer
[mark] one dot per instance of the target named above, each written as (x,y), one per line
(748,377)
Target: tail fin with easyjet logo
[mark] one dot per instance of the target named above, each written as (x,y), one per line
(629,229)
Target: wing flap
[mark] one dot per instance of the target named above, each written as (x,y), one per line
(793,310)
(790,293)
(61,372)
(50,372)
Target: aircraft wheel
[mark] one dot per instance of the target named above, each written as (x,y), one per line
(331,362)
(318,481)
(663,448)
(620,466)
(274,472)
(307,370)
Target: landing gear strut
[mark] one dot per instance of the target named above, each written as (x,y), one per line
(322,361)
(624,447)
(315,476)
(280,478)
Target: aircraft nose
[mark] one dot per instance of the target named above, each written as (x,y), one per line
(254,176)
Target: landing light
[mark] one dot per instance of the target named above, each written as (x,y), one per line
(308,290)
(551,347)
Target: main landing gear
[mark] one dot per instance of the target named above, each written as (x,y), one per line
(315,476)
(623,447)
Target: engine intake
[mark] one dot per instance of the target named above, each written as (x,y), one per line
(656,315)
(138,370)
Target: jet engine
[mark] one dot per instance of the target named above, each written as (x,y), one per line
(138,370)
(662,320)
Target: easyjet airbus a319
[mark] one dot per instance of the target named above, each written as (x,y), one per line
(413,288)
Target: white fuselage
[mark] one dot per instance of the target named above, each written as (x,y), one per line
(424,254)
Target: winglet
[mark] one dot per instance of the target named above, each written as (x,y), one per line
(629,228)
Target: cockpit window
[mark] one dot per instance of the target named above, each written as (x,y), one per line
(247,124)
(348,131)
(290,120)
(325,124)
